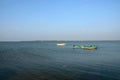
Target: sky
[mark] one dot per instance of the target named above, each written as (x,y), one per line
(24,20)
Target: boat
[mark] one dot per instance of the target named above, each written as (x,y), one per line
(75,47)
(61,44)
(91,47)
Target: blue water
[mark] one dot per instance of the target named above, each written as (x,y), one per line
(46,61)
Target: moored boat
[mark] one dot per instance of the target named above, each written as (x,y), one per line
(61,44)
(75,47)
(91,47)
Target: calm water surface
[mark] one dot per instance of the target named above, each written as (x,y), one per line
(46,61)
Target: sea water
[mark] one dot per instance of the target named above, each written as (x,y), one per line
(46,61)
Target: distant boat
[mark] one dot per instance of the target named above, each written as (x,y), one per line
(61,44)
(91,47)
(75,47)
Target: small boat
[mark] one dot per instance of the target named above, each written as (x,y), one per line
(75,47)
(91,47)
(61,44)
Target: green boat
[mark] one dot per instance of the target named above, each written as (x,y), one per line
(91,47)
(75,47)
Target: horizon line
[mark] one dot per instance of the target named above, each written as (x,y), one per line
(50,40)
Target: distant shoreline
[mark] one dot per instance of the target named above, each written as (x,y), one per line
(60,41)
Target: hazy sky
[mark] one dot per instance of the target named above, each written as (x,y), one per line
(59,20)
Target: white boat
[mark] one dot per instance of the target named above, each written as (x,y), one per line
(61,44)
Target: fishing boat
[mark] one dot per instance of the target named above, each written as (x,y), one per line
(91,47)
(61,44)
